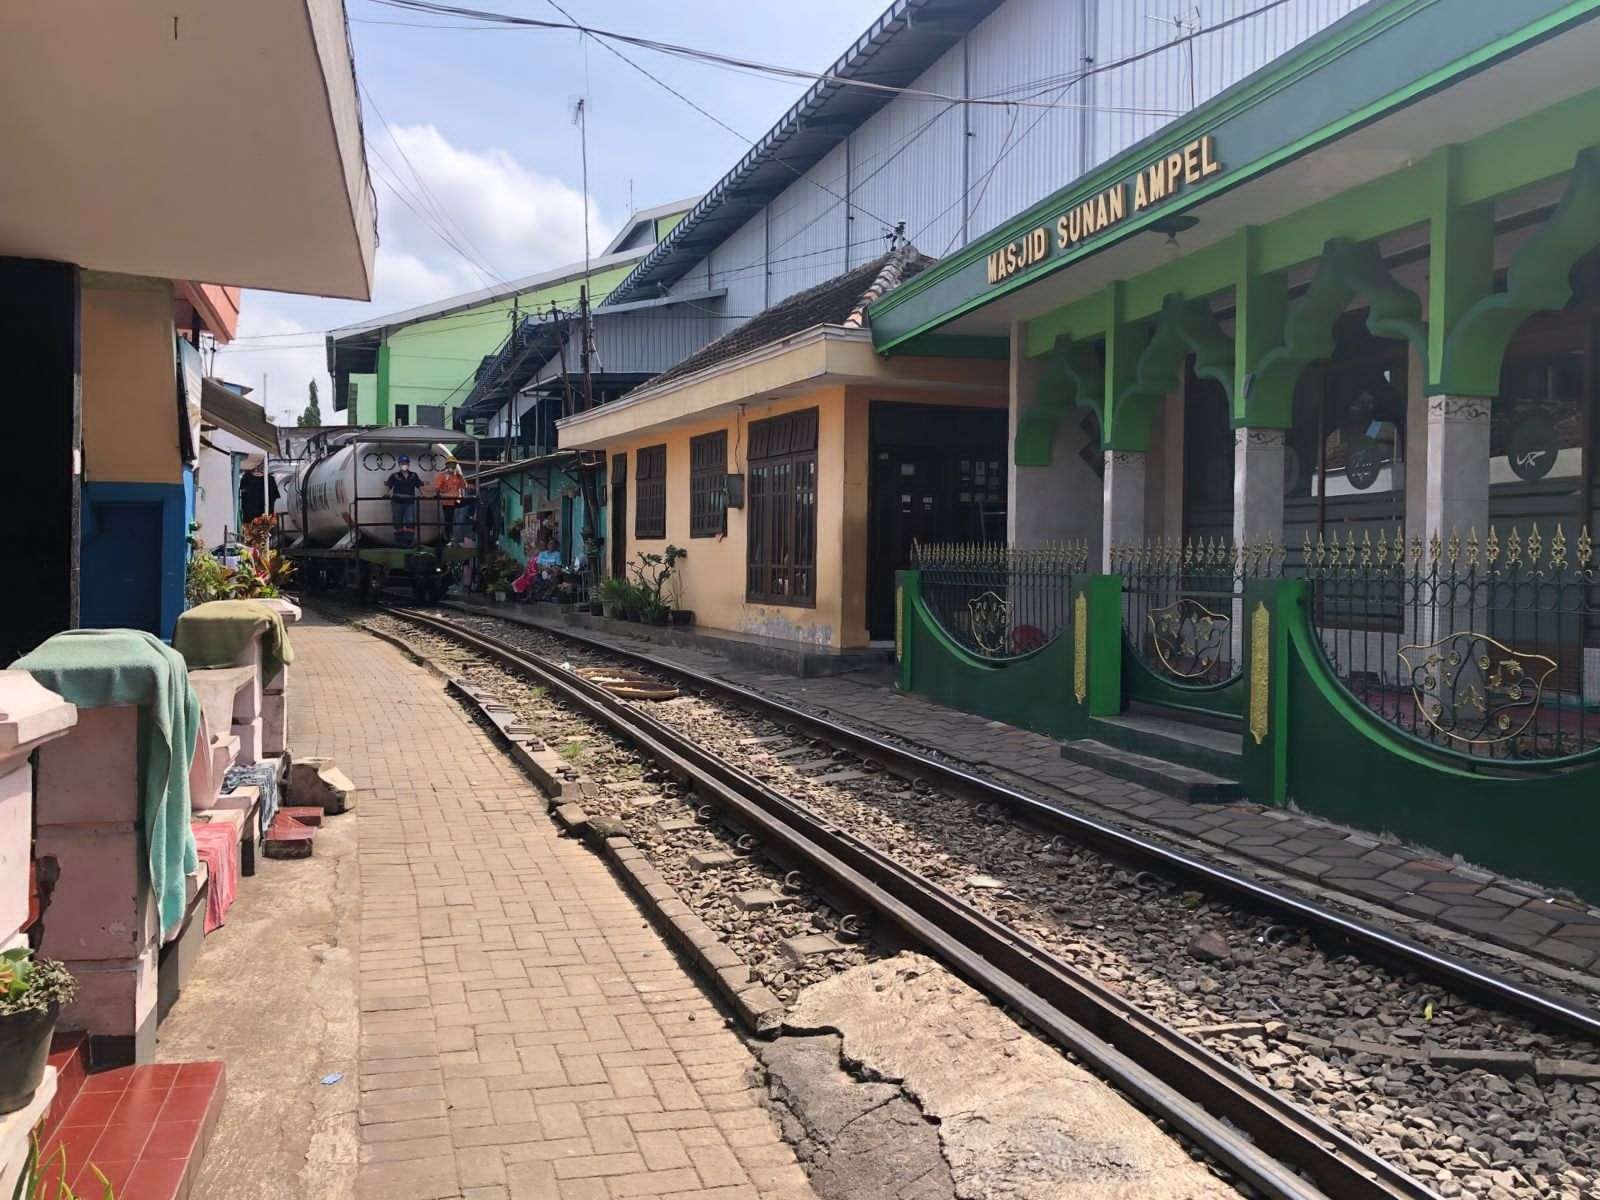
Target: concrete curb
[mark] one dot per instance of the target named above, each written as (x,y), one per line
(759,1011)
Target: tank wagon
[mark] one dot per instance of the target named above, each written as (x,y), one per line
(338,519)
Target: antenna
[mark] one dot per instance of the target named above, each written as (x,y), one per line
(580,118)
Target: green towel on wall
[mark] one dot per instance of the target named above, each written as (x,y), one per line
(99,668)
(216,633)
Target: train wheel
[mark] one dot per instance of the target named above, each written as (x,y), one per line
(368,584)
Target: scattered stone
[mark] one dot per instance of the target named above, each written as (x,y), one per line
(710,860)
(1210,947)
(674,825)
(571,817)
(986,883)
(809,945)
(317,783)
(755,900)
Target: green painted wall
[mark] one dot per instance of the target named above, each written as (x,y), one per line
(433,361)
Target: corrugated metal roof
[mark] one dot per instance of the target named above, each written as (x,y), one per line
(904,41)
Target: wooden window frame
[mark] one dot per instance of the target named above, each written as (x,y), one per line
(780,527)
(708,484)
(650,493)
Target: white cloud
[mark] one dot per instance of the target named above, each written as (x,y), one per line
(277,357)
(508,219)
(511,220)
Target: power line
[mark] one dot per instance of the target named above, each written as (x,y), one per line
(435,8)
(479,258)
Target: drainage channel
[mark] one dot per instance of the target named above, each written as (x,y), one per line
(1266,1140)
(1365,940)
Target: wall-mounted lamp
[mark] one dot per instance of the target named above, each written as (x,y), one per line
(1173,225)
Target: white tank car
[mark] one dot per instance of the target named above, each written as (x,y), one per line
(327,491)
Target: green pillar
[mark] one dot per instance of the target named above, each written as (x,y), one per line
(380,414)
(1097,645)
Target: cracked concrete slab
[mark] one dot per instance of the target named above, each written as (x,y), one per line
(856,1140)
(1015,1120)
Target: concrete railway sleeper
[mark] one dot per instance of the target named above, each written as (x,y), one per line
(1265,1139)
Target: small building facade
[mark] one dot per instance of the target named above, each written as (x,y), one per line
(417,367)
(797,467)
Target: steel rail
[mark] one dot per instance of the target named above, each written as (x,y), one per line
(1362,938)
(1266,1140)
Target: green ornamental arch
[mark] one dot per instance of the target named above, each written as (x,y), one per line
(1347,270)
(1539,280)
(1182,327)
(1073,378)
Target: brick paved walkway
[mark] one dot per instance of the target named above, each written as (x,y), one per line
(525,1034)
(1407,883)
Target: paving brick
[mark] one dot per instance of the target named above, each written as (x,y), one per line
(507,979)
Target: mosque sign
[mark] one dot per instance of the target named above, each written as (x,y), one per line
(1159,180)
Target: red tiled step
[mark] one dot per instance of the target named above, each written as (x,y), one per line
(69,1055)
(288,838)
(306,816)
(146,1129)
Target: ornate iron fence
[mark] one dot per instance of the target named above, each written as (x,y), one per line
(1483,649)
(999,601)
(1182,604)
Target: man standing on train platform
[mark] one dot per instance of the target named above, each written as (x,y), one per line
(403,487)
(450,485)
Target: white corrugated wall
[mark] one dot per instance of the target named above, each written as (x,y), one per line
(952,175)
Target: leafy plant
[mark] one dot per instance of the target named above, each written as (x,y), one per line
(572,751)
(262,571)
(37,1179)
(498,572)
(651,575)
(625,597)
(29,984)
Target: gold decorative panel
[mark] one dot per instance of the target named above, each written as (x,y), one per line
(1080,647)
(1260,671)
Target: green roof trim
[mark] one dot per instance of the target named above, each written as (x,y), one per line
(1388,55)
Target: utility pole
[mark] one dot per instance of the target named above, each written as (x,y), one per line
(586,350)
(561,349)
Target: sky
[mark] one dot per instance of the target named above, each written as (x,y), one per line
(484,118)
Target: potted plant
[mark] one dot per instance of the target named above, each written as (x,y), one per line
(613,596)
(32,991)
(498,572)
(652,574)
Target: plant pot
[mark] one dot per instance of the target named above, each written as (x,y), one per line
(499,597)
(24,1049)
(596,608)
(682,617)
(657,616)
(611,611)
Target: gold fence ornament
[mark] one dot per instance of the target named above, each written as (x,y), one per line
(1558,549)
(1585,549)
(1188,637)
(1474,689)
(1535,545)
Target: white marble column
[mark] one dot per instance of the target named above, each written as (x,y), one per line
(1258,486)
(1122,506)
(1458,468)
(1457,489)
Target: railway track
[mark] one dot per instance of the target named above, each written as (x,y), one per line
(1368,941)
(1265,1139)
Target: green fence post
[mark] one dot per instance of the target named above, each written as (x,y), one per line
(1269,607)
(1097,645)
(907,589)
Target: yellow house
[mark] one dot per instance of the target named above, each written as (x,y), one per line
(797,466)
